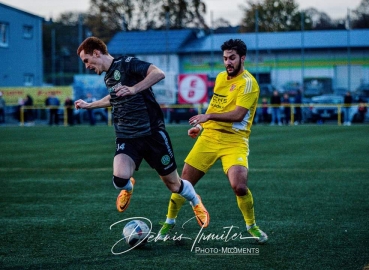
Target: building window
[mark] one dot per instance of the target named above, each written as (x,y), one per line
(27,31)
(28,79)
(4,34)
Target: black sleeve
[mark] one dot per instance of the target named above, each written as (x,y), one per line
(138,67)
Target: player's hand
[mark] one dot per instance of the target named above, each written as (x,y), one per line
(124,90)
(193,132)
(197,119)
(80,104)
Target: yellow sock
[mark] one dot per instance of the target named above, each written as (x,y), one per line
(175,203)
(246,205)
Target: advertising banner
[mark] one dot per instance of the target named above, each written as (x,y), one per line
(192,88)
(15,95)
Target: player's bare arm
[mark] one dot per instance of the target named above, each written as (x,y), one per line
(153,76)
(236,115)
(101,103)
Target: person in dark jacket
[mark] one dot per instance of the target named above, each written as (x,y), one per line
(347,108)
(53,103)
(275,102)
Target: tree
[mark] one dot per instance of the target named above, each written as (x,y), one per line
(60,62)
(362,15)
(107,17)
(319,20)
(273,16)
(60,42)
(148,14)
(178,14)
(68,18)
(220,22)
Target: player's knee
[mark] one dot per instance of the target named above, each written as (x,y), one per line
(240,190)
(119,183)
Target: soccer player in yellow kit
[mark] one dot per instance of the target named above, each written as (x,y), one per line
(226,129)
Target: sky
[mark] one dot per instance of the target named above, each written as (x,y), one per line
(336,9)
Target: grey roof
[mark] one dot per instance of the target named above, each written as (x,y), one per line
(186,41)
(150,42)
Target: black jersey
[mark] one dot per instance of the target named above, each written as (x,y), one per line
(137,115)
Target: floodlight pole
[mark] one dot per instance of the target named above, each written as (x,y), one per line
(212,45)
(167,39)
(348,52)
(80,29)
(53,60)
(302,48)
(257,43)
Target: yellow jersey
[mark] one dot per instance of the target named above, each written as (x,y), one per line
(242,91)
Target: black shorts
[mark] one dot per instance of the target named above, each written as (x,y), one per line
(156,149)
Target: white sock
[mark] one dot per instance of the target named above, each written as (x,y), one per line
(170,220)
(127,187)
(248,227)
(188,192)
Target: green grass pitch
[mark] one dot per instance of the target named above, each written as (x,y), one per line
(310,186)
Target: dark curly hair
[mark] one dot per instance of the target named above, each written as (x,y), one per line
(235,44)
(92,43)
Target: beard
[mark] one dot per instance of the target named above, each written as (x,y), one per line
(235,70)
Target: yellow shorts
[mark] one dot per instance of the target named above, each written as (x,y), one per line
(212,145)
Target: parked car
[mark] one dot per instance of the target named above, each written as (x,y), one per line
(317,86)
(291,88)
(363,91)
(328,109)
(81,116)
(266,89)
(176,115)
(311,91)
(340,91)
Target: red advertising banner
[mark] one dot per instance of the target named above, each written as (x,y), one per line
(192,88)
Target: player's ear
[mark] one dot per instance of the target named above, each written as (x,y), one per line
(96,53)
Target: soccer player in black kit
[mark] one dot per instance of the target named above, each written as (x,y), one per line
(138,122)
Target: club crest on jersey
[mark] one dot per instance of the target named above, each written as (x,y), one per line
(116,75)
(165,160)
(233,86)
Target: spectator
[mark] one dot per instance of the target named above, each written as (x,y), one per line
(53,103)
(19,108)
(361,111)
(90,112)
(275,101)
(347,107)
(286,108)
(69,106)
(28,112)
(2,109)
(264,110)
(298,113)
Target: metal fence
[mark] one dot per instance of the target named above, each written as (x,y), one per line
(310,113)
